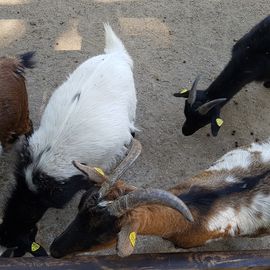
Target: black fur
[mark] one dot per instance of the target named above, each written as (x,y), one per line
(203,199)
(250,61)
(25,207)
(27,59)
(92,226)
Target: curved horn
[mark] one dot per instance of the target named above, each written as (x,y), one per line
(205,108)
(193,90)
(133,154)
(148,196)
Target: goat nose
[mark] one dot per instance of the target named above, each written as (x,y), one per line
(186,131)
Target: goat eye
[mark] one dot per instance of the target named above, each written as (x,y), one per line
(93,198)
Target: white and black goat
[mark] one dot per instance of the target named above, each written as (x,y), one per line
(250,61)
(230,199)
(90,118)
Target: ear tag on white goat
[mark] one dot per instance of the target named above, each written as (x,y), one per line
(219,122)
(100,171)
(132,238)
(35,246)
(183,90)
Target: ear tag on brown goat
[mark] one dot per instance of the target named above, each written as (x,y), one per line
(100,171)
(183,90)
(35,246)
(219,122)
(132,238)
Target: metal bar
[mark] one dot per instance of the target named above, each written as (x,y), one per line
(259,259)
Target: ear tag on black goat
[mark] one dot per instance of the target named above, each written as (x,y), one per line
(216,123)
(183,90)
(34,247)
(183,93)
(219,122)
(37,250)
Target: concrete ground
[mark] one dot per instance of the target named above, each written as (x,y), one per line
(171,41)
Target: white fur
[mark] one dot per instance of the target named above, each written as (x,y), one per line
(235,159)
(2,249)
(231,179)
(95,128)
(244,220)
(1,149)
(263,149)
(104,203)
(28,175)
(242,158)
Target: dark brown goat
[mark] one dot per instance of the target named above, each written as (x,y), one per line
(14,113)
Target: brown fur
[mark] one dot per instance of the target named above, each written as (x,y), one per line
(14,113)
(119,189)
(171,225)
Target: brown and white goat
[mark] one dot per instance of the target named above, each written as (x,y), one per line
(14,113)
(230,199)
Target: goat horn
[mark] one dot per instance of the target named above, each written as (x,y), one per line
(122,167)
(148,196)
(205,108)
(193,91)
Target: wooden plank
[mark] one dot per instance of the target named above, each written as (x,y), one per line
(199,260)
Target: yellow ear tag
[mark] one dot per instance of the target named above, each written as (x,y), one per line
(219,122)
(100,171)
(183,90)
(35,246)
(132,238)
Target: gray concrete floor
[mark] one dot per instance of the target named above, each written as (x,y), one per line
(171,41)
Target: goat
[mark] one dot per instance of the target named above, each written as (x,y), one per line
(14,113)
(250,61)
(90,117)
(230,199)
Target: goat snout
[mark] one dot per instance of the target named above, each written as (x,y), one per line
(187,131)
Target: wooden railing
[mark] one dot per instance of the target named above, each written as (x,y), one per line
(199,260)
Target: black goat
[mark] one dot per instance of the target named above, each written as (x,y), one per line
(250,61)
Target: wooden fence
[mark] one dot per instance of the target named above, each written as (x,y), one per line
(199,260)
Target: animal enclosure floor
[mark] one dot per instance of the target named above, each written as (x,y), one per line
(170,41)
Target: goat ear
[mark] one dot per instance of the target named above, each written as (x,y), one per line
(126,240)
(216,123)
(37,250)
(95,174)
(182,93)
